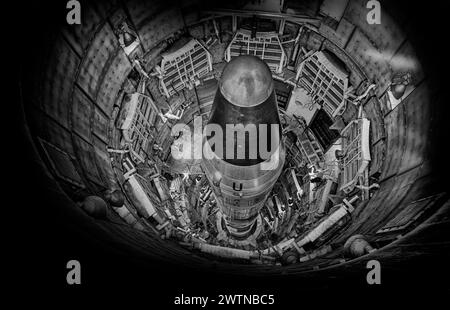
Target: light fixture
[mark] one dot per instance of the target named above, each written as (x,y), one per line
(128,37)
(399,83)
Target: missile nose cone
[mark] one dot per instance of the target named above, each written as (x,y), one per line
(246,81)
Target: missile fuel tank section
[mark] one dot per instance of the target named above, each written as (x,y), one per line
(243,153)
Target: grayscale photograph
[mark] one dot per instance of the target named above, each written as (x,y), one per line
(230,152)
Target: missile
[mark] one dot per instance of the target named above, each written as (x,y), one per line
(243,153)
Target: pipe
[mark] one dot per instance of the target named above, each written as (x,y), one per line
(326,224)
(292,222)
(224,252)
(297,185)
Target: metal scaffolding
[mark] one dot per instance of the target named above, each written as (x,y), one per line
(355,146)
(182,67)
(265,45)
(326,82)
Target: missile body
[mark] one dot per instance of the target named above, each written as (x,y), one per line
(243,163)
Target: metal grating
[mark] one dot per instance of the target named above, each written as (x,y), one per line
(355,145)
(295,153)
(137,122)
(141,128)
(310,148)
(206,93)
(324,81)
(182,67)
(409,214)
(265,45)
